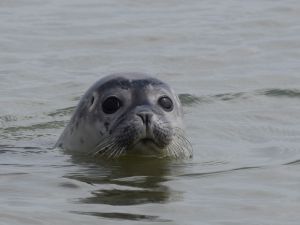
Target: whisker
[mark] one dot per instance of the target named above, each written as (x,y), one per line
(177,145)
(120,152)
(112,154)
(104,147)
(177,149)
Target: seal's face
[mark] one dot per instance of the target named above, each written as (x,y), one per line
(132,114)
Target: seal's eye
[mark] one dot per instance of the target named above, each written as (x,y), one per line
(166,103)
(111,105)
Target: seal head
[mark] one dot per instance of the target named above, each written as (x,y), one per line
(128,113)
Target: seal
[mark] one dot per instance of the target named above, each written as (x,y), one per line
(127,113)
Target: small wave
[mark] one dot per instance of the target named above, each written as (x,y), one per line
(274,92)
(30,132)
(211,173)
(62,112)
(12,174)
(7,148)
(189,99)
(124,216)
(21,149)
(8,118)
(39,126)
(295,162)
(229,96)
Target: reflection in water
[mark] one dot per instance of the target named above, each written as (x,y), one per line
(129,180)
(127,197)
(126,216)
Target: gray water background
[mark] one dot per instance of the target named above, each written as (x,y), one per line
(236,65)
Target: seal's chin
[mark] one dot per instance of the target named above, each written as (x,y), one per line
(146,146)
(147,141)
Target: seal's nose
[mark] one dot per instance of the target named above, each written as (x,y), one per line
(146,117)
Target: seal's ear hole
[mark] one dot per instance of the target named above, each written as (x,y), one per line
(166,103)
(111,105)
(92,100)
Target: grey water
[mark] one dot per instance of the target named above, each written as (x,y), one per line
(236,66)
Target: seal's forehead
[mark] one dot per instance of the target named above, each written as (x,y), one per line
(128,81)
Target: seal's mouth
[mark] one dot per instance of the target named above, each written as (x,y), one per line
(147,141)
(145,146)
(150,139)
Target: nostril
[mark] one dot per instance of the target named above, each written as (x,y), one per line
(146,117)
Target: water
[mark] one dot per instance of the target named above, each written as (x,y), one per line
(236,66)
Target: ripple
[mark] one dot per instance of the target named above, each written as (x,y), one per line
(62,112)
(21,149)
(46,125)
(189,99)
(12,174)
(8,118)
(124,216)
(230,96)
(211,173)
(274,92)
(295,162)
(129,197)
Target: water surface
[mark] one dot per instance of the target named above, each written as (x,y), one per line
(236,67)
